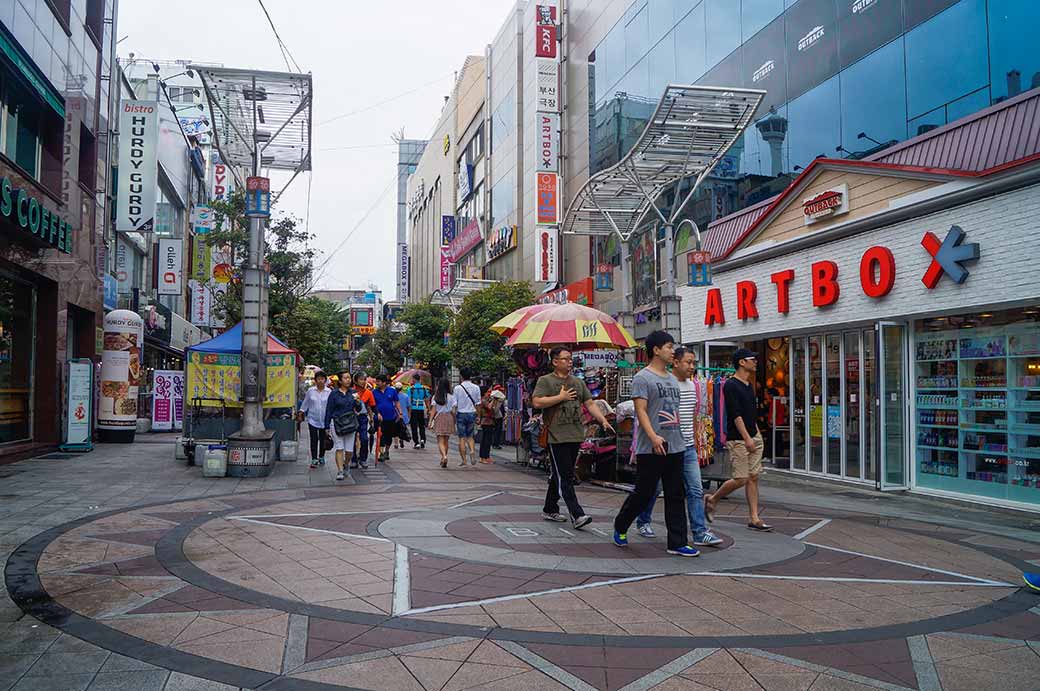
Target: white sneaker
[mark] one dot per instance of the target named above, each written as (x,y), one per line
(709,539)
(339,475)
(646,530)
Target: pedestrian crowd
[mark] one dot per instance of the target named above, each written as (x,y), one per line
(353,416)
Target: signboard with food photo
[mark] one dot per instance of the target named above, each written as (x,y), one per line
(121,373)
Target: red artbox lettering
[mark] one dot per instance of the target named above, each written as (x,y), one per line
(713,312)
(747,293)
(877,261)
(782,280)
(825,288)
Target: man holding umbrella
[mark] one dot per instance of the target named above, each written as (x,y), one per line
(561,395)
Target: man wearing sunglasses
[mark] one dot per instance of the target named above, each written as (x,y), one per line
(743,439)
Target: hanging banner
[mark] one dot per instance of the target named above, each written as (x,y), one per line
(469,238)
(546,248)
(548,201)
(167,400)
(445,270)
(200,260)
(545,31)
(121,370)
(170,276)
(124,267)
(201,304)
(548,85)
(138,166)
(217,376)
(447,230)
(221,186)
(402,271)
(548,142)
(79,404)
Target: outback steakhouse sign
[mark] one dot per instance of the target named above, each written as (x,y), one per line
(822,205)
(877,277)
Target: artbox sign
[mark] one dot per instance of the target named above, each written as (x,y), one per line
(548,198)
(877,278)
(138,166)
(547,242)
(548,142)
(170,276)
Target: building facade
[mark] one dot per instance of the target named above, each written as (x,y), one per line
(55,77)
(409,151)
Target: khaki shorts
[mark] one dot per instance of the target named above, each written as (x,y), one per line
(745,464)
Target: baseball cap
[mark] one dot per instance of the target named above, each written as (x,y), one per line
(743,354)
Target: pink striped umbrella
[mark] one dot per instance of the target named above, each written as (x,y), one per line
(571,324)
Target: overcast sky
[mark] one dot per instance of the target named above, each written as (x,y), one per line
(360,54)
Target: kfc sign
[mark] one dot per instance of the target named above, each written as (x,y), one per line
(877,277)
(545,31)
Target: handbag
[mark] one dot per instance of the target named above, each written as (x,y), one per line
(346,423)
(543,435)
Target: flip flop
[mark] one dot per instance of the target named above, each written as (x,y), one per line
(760,527)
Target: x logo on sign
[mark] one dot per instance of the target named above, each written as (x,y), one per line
(948,256)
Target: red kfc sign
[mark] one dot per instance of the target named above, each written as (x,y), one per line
(545,31)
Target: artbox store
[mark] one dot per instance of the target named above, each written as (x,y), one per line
(896,312)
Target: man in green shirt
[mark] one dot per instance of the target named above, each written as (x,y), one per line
(560,396)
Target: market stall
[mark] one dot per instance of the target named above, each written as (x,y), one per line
(213,388)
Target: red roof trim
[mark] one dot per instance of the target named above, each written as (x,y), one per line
(832,163)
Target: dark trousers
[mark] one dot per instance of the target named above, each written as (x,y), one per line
(669,470)
(361,455)
(487,435)
(319,442)
(500,434)
(388,430)
(562,458)
(418,423)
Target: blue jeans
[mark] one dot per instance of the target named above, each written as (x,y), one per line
(694,496)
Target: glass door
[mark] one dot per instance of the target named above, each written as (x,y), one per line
(871,405)
(892,378)
(816,404)
(853,399)
(833,396)
(798,402)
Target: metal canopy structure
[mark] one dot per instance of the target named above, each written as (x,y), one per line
(690,131)
(260,113)
(453,298)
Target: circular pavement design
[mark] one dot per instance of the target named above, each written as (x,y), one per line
(282,585)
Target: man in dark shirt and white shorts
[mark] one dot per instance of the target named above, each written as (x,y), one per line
(743,439)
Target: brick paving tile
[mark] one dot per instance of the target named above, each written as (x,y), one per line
(264,655)
(955,678)
(431,673)
(383,673)
(130,681)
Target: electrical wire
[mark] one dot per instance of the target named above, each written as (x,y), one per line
(286,55)
(324,265)
(361,146)
(385,101)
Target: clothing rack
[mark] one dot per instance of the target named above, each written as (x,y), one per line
(721,370)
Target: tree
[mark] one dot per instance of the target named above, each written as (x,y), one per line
(317,328)
(427,323)
(473,345)
(384,353)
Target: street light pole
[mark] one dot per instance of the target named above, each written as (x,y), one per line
(254,326)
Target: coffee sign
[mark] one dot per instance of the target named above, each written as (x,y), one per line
(33,218)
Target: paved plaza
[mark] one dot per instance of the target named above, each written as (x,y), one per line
(128,570)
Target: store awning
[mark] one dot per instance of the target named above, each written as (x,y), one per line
(690,131)
(255,108)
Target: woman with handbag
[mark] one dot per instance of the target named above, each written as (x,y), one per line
(341,419)
(443,420)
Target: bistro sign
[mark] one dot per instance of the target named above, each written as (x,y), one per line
(32,217)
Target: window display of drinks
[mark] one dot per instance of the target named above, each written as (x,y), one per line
(978,411)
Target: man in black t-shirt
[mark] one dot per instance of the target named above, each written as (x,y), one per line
(743,439)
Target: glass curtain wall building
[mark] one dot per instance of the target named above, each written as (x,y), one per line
(844,78)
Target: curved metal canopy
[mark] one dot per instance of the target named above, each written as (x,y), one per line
(690,131)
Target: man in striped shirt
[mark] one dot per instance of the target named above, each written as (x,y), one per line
(683,367)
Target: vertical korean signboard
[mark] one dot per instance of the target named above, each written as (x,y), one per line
(170,277)
(547,128)
(447,237)
(167,400)
(138,166)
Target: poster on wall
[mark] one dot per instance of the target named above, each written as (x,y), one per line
(138,166)
(79,403)
(170,276)
(167,400)
(547,242)
(121,371)
(644,272)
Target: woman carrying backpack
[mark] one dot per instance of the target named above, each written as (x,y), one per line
(341,419)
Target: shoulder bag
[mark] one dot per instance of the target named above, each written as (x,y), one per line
(347,422)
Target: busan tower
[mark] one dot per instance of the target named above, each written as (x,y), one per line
(773,129)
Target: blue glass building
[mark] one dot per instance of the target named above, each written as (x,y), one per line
(844,78)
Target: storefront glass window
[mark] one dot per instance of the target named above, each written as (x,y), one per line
(873,99)
(17,345)
(816,404)
(853,399)
(1008,52)
(870,419)
(834,431)
(798,403)
(940,70)
(977,401)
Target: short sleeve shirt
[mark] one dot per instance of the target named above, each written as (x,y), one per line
(385,403)
(565,421)
(417,394)
(663,402)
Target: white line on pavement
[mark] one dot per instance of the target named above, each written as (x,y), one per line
(910,564)
(323,513)
(843,579)
(812,529)
(566,532)
(473,501)
(315,530)
(519,596)
(402,581)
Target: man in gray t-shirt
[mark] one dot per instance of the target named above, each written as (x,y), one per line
(659,448)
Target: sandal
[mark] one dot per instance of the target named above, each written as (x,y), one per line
(709,508)
(444,463)
(761,527)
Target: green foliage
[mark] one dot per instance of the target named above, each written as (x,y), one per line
(317,328)
(384,352)
(473,345)
(427,324)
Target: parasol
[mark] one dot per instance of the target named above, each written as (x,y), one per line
(507,325)
(407,375)
(571,324)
